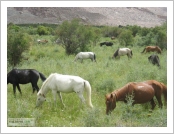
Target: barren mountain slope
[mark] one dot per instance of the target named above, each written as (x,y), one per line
(112,16)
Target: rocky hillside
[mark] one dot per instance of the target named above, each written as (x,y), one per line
(112,16)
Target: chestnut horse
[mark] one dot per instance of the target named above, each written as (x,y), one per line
(42,41)
(143,92)
(152,49)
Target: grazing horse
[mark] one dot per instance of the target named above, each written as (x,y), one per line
(42,41)
(152,49)
(154,59)
(143,92)
(85,55)
(24,76)
(123,51)
(112,38)
(58,83)
(106,43)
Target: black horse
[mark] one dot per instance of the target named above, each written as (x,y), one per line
(154,59)
(106,43)
(24,76)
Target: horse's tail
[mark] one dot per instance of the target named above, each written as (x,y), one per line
(88,89)
(143,50)
(94,57)
(131,53)
(158,61)
(43,78)
(164,87)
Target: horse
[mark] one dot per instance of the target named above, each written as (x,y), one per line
(85,55)
(112,38)
(152,49)
(24,76)
(58,83)
(154,59)
(143,92)
(42,41)
(106,43)
(123,51)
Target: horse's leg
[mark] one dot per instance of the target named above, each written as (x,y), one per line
(35,87)
(14,89)
(19,88)
(81,60)
(152,103)
(60,96)
(81,97)
(159,101)
(54,95)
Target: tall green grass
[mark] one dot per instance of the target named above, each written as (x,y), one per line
(104,76)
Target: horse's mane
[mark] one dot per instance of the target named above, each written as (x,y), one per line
(116,52)
(45,82)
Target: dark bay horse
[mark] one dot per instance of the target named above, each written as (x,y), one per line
(143,92)
(154,59)
(123,51)
(106,43)
(24,76)
(152,49)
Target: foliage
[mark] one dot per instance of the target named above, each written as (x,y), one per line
(42,30)
(96,35)
(14,27)
(17,43)
(126,38)
(74,36)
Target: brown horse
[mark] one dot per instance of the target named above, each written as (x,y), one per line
(142,92)
(112,38)
(152,49)
(42,41)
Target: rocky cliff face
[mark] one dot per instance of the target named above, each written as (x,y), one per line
(111,16)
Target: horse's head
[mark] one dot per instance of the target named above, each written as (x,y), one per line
(40,99)
(116,53)
(110,102)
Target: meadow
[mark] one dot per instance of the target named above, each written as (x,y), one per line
(104,76)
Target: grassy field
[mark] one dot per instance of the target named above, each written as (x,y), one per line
(104,76)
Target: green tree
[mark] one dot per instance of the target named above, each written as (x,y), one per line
(126,38)
(17,43)
(74,36)
(42,30)
(96,35)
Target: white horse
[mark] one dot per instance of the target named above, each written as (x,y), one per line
(85,55)
(64,83)
(123,51)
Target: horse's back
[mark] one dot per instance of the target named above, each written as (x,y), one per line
(65,83)
(123,51)
(85,54)
(155,84)
(142,92)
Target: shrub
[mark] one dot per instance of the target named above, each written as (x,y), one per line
(17,43)
(126,38)
(74,36)
(42,30)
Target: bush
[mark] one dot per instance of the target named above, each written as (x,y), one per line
(126,38)
(41,30)
(74,36)
(17,43)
